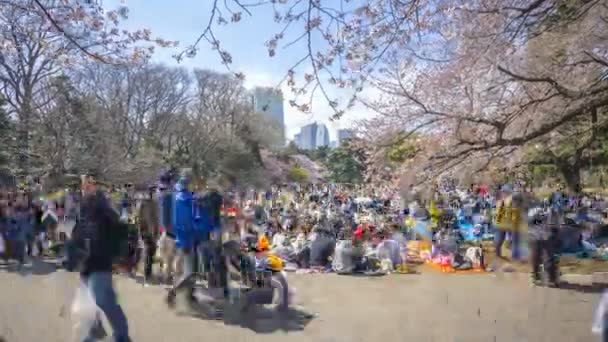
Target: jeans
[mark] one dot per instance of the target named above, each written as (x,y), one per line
(499,239)
(199,259)
(213,263)
(149,251)
(100,284)
(17,250)
(186,280)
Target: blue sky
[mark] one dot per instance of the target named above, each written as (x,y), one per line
(184,20)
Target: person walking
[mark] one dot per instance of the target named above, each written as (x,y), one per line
(100,237)
(166,242)
(183,227)
(149,234)
(504,220)
(544,245)
(24,232)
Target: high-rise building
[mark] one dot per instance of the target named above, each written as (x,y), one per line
(269,102)
(344,134)
(313,136)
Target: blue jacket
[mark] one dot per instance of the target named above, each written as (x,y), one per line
(20,226)
(182,219)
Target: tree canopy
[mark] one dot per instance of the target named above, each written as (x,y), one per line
(479,83)
(344,167)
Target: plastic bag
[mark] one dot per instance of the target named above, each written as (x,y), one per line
(386,265)
(600,316)
(85,313)
(389,249)
(343,257)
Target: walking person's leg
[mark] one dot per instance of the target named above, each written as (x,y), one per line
(186,279)
(40,239)
(100,284)
(553,258)
(536,259)
(220,263)
(150,248)
(515,245)
(19,251)
(499,240)
(29,244)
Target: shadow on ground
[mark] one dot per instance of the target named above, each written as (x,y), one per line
(584,288)
(35,267)
(258,318)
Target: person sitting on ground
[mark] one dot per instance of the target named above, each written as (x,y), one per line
(321,248)
(389,249)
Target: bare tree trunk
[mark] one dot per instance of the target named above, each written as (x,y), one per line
(572,175)
(23,140)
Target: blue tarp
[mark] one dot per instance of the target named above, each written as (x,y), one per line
(468,230)
(423,229)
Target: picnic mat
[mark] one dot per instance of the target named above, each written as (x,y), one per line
(437,268)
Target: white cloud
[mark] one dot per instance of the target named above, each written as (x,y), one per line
(321,111)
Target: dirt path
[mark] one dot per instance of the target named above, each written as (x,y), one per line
(428,307)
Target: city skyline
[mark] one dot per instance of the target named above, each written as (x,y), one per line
(312,136)
(270,101)
(250,56)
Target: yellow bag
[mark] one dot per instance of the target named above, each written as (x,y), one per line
(274,263)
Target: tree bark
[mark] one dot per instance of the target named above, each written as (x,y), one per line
(572,175)
(23,141)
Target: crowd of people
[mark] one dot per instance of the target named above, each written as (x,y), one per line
(314,229)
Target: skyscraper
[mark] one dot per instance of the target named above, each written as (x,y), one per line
(269,102)
(344,134)
(297,139)
(313,136)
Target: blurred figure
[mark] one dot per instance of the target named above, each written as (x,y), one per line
(508,221)
(182,224)
(544,245)
(166,242)
(22,231)
(101,236)
(149,234)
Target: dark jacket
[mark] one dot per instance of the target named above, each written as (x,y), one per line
(99,233)
(213,204)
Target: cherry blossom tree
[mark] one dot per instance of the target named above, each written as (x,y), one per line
(481,78)
(41,39)
(516,73)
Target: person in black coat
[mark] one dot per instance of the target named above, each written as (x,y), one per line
(98,236)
